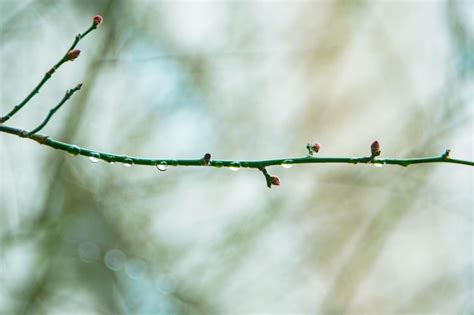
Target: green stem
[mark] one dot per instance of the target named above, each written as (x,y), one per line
(53,110)
(110,157)
(46,76)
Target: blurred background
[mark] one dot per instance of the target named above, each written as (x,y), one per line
(241,80)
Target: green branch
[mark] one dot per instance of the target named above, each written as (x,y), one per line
(233,164)
(53,110)
(163,164)
(68,56)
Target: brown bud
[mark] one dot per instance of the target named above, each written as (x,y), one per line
(275,180)
(316,147)
(375,148)
(73,54)
(97,20)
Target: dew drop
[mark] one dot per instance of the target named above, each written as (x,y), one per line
(111,162)
(378,164)
(94,158)
(234,166)
(287,164)
(127,162)
(162,166)
(74,150)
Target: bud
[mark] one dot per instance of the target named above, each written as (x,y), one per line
(206,159)
(97,20)
(446,153)
(275,180)
(375,148)
(316,147)
(73,54)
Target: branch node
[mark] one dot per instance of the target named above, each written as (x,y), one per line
(271,180)
(206,160)
(446,153)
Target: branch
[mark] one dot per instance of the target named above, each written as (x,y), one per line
(53,110)
(70,55)
(163,164)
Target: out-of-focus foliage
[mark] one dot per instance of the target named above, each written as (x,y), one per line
(241,80)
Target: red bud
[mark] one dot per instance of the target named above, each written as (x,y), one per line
(97,20)
(73,54)
(275,180)
(375,148)
(316,147)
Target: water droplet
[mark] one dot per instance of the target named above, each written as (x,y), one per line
(94,158)
(74,149)
(115,259)
(111,162)
(88,252)
(127,162)
(162,166)
(234,166)
(135,268)
(287,164)
(378,164)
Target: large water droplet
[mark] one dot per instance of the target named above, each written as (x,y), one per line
(94,158)
(287,164)
(234,166)
(115,259)
(74,149)
(162,166)
(127,162)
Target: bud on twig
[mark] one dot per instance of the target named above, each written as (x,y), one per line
(446,153)
(375,148)
(97,20)
(206,159)
(73,54)
(275,180)
(316,147)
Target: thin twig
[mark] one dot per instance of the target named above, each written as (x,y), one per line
(53,110)
(258,164)
(47,75)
